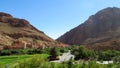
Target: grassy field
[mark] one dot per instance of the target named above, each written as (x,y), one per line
(11,60)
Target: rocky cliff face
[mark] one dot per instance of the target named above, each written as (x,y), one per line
(19,33)
(102,27)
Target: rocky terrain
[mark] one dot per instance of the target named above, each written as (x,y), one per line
(19,33)
(101,29)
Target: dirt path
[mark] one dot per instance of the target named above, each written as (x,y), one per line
(65,57)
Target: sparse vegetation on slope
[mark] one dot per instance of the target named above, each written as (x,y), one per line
(18,33)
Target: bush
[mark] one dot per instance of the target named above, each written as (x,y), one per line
(108,55)
(53,54)
(5,52)
(83,53)
(63,50)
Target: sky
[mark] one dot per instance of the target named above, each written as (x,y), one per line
(55,17)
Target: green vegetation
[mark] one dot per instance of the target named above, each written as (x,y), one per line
(10,56)
(40,62)
(13,60)
(83,53)
(108,55)
(38,58)
(30,51)
(20,51)
(53,54)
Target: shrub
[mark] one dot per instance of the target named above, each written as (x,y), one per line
(83,53)
(5,52)
(53,54)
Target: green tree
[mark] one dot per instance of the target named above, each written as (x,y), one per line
(54,53)
(83,53)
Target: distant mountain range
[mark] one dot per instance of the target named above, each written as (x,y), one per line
(19,33)
(102,29)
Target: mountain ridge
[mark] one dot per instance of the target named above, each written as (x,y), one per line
(19,33)
(102,27)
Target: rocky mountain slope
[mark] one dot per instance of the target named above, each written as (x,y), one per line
(19,33)
(101,28)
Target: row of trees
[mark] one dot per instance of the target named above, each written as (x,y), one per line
(81,52)
(20,51)
(52,51)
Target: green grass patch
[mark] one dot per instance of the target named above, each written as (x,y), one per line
(11,60)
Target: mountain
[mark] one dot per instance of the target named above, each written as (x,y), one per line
(19,33)
(101,28)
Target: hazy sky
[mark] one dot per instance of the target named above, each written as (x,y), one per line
(55,17)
